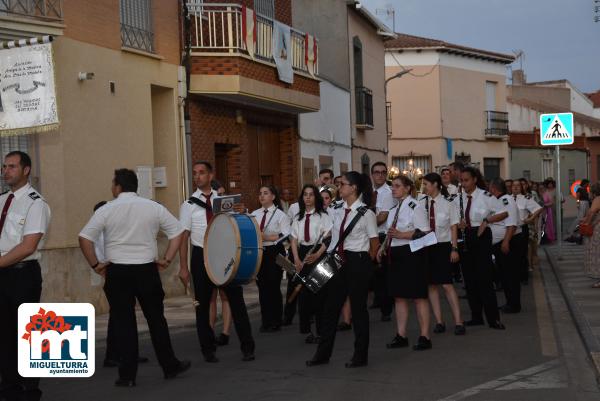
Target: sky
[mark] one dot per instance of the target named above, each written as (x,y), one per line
(559,37)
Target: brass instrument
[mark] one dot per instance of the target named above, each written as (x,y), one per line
(462,216)
(386,242)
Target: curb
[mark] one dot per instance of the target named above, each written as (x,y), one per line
(590,342)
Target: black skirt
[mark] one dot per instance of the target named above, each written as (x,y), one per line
(408,273)
(440,267)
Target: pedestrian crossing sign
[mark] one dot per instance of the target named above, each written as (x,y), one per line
(556,129)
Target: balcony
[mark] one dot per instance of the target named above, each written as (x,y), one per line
(496,124)
(20,19)
(217,30)
(364,108)
(47,10)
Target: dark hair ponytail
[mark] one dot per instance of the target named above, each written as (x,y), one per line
(435,178)
(475,173)
(275,192)
(364,187)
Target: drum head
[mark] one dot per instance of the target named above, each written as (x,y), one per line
(222,249)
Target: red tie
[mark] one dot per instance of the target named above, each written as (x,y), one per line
(432,216)
(209,211)
(374,204)
(468,211)
(307,228)
(264,219)
(5,211)
(341,247)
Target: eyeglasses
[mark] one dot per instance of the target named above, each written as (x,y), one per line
(379,172)
(344,183)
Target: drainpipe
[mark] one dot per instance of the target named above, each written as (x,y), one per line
(184,95)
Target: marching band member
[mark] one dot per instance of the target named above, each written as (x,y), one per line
(383,201)
(357,251)
(328,197)
(506,245)
(443,216)
(275,226)
(130,224)
(446,175)
(312,224)
(194,216)
(476,255)
(407,270)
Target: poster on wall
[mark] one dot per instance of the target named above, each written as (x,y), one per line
(282,51)
(27,90)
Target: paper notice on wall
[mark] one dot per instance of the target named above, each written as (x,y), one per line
(27,91)
(282,51)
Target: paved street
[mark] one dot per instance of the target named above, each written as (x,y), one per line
(539,357)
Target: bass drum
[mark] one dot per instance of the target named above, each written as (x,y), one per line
(232,249)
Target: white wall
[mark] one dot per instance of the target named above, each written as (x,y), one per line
(580,102)
(432,57)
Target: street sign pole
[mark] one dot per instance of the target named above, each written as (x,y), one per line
(558,204)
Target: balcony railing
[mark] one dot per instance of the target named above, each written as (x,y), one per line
(364,108)
(48,10)
(496,124)
(217,29)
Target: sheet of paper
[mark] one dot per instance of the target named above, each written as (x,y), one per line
(225,203)
(427,240)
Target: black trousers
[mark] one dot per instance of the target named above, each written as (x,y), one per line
(203,289)
(268,280)
(124,284)
(309,303)
(525,257)
(509,266)
(477,269)
(111,340)
(351,280)
(17,286)
(289,310)
(380,292)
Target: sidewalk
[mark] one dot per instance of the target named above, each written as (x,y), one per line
(582,300)
(179,312)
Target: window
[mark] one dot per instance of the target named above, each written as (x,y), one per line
(16,142)
(388,115)
(325,162)
(365,164)
(265,7)
(527,175)
(491,168)
(490,95)
(408,163)
(358,64)
(136,25)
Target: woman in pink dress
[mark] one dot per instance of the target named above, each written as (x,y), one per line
(548,198)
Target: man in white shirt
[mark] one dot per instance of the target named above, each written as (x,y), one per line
(130,225)
(383,202)
(23,225)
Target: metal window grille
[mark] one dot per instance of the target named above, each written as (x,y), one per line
(265,7)
(12,143)
(136,25)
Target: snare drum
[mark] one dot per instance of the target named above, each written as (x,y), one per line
(322,272)
(232,249)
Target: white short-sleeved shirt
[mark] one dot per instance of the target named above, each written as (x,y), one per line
(130,225)
(28,214)
(320,224)
(293,210)
(385,201)
(483,205)
(276,222)
(446,215)
(505,204)
(526,205)
(412,215)
(358,240)
(193,217)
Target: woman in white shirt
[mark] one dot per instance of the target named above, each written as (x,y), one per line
(275,226)
(357,252)
(441,211)
(407,277)
(311,227)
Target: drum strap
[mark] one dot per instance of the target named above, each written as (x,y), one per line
(198,202)
(360,213)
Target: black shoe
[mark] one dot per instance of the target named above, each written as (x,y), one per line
(356,364)
(310,339)
(211,358)
(316,362)
(423,343)
(460,330)
(398,342)
(344,326)
(386,318)
(125,383)
(181,367)
(248,356)
(110,363)
(439,328)
(222,340)
(510,309)
(497,326)
(474,322)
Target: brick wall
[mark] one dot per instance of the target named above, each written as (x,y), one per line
(214,122)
